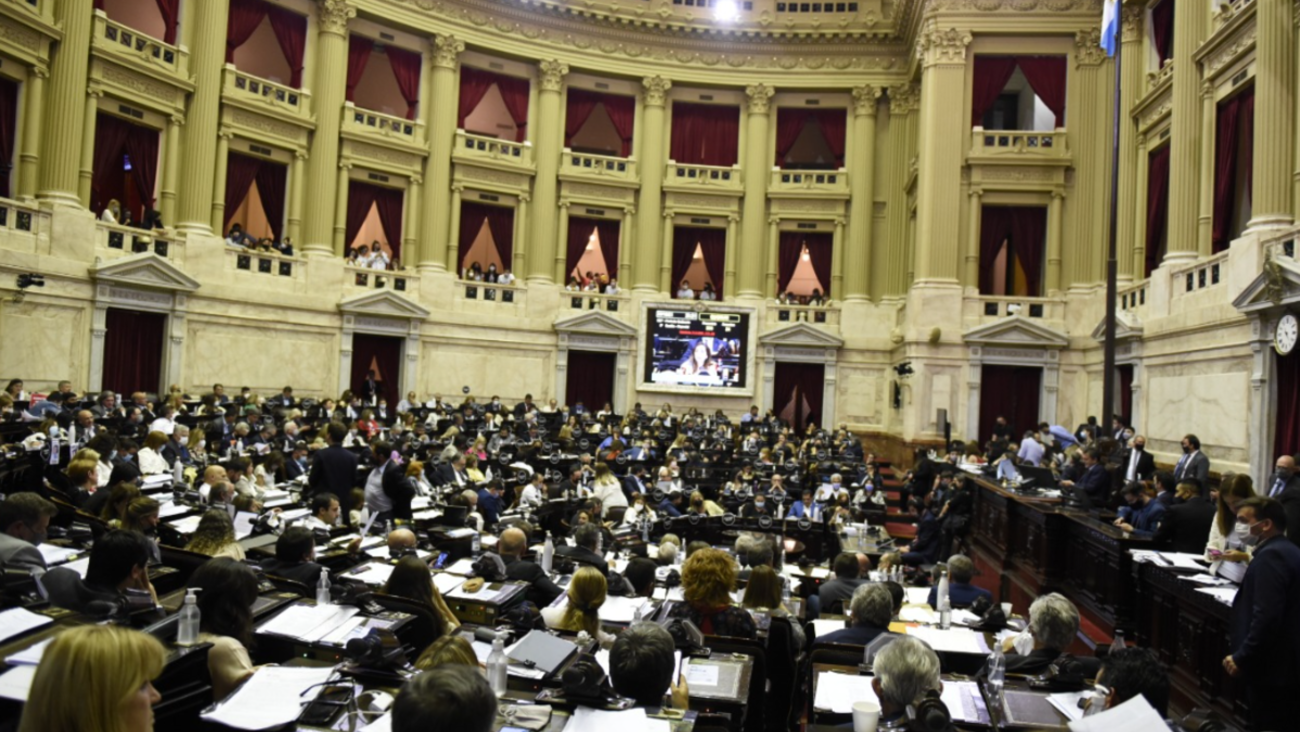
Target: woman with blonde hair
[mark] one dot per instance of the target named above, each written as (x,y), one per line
(607,487)
(448,650)
(119,498)
(472,470)
(586,594)
(708,577)
(109,669)
(150,456)
(1223,544)
(112,213)
(215,536)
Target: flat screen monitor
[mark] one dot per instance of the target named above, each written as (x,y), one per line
(704,350)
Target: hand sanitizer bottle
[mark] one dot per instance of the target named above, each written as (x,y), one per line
(187,629)
(945,603)
(548,554)
(323,588)
(496,665)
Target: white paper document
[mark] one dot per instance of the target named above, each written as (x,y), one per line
(16,683)
(383,724)
(373,573)
(447,582)
(309,623)
(186,525)
(29,656)
(56,554)
(585,719)
(18,621)
(837,693)
(271,697)
(1067,703)
(1134,715)
(917,595)
(955,640)
(822,627)
(463,566)
(964,701)
(171,508)
(1224,595)
(700,674)
(80,566)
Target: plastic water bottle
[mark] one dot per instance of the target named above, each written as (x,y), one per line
(187,629)
(945,603)
(323,588)
(476,543)
(785,592)
(548,554)
(178,474)
(496,665)
(1118,643)
(997,674)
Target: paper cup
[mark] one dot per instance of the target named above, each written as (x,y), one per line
(866,715)
(1006,609)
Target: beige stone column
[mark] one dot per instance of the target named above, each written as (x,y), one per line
(171,162)
(519,259)
(453,241)
(1274,146)
(1209,134)
(297,184)
(729,270)
(626,246)
(773,236)
(1139,220)
(650,199)
(64,116)
(1090,142)
(562,244)
(436,227)
(1131,197)
(410,229)
(1185,180)
(329,80)
(86,171)
(666,254)
(837,258)
(199,137)
(754,206)
(887,261)
(340,206)
(547,144)
(862,201)
(944,134)
(1055,227)
(29,158)
(217,212)
(972,278)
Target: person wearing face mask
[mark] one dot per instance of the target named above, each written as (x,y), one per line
(1187,521)
(755,508)
(1284,487)
(1142,515)
(24,523)
(1265,647)
(1193,464)
(1138,463)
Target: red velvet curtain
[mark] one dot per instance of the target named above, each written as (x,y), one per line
(171,13)
(501,222)
(1012,392)
(142,147)
(1286,435)
(705,134)
(245,16)
(291,33)
(609,231)
(1225,169)
(472,216)
(8,132)
(790,122)
(474,84)
(514,92)
(384,355)
(110,143)
(713,245)
(991,75)
(133,345)
(579,236)
(271,179)
(241,171)
(578,108)
(1046,76)
(1028,240)
(359,48)
(1162,27)
(834,128)
(1157,207)
(590,379)
(995,228)
(819,253)
(361,197)
(685,238)
(406,68)
(797,389)
(389,204)
(622,112)
(787,258)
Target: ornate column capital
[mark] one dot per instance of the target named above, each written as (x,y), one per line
(1058,194)
(417,179)
(41,72)
(733,218)
(1131,20)
(446,51)
(976,192)
(865,98)
(904,98)
(345,165)
(94,90)
(564,203)
(629,210)
(1207,90)
(1087,48)
(525,197)
(457,188)
(177,119)
(333,16)
(656,90)
(760,97)
(841,222)
(301,155)
(669,213)
(1141,140)
(553,73)
(225,133)
(774,221)
(937,47)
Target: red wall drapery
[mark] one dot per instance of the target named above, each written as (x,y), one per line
(244,17)
(578,106)
(1024,227)
(171,13)
(990,77)
(8,132)
(142,147)
(474,85)
(609,232)
(501,223)
(834,124)
(819,255)
(1236,117)
(1046,76)
(387,203)
(797,389)
(384,355)
(133,342)
(1286,435)
(359,48)
(790,122)
(713,247)
(590,379)
(115,137)
(1157,207)
(406,69)
(579,236)
(622,112)
(271,179)
(1010,391)
(1125,389)
(787,258)
(705,134)
(291,33)
(995,228)
(1162,27)
(514,92)
(685,239)
(241,171)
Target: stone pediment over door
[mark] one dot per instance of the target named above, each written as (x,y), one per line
(596,323)
(800,335)
(1016,332)
(382,304)
(145,270)
(1277,286)
(1127,327)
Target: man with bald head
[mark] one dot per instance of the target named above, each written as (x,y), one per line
(401,541)
(83,429)
(212,475)
(541,590)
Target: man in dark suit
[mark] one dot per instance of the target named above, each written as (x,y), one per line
(334,469)
(176,448)
(285,399)
(1187,521)
(524,407)
(1094,481)
(541,590)
(489,503)
(1284,486)
(872,607)
(836,593)
(1138,464)
(1193,464)
(295,557)
(370,388)
(1265,647)
(24,521)
(961,593)
(452,473)
(1053,625)
(587,549)
(295,465)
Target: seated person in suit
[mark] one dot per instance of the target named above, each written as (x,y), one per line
(1130,672)
(1187,522)
(227,591)
(295,557)
(587,548)
(960,591)
(1143,514)
(641,666)
(541,590)
(451,697)
(325,510)
(119,566)
(24,523)
(671,505)
(1094,481)
(708,578)
(905,671)
(805,508)
(835,593)
(640,572)
(587,592)
(1053,624)
(489,503)
(871,607)
(924,549)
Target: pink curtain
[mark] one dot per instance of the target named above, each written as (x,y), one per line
(474,84)
(622,112)
(501,222)
(359,48)
(790,122)
(1162,27)
(245,16)
(705,134)
(241,171)
(514,92)
(1157,206)
(787,257)
(142,147)
(110,142)
(361,197)
(388,204)
(579,236)
(406,68)
(685,239)
(991,75)
(819,253)
(291,33)
(578,107)
(1028,240)
(1046,76)
(271,178)
(833,123)
(171,12)
(608,232)
(1225,168)
(995,228)
(8,131)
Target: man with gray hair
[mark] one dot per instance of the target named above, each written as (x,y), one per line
(1053,625)
(960,591)
(905,671)
(872,607)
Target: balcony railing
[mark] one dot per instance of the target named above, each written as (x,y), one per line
(704,176)
(241,86)
(386,126)
(996,307)
(605,167)
(1020,145)
(828,314)
(818,182)
(20,217)
(482,147)
(379,279)
(489,292)
(594,301)
(1161,75)
(130,240)
(125,41)
(1134,297)
(270,264)
(1198,276)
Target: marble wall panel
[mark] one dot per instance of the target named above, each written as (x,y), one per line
(508,372)
(45,342)
(1213,406)
(263,355)
(861,396)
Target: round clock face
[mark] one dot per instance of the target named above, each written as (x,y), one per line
(1284,337)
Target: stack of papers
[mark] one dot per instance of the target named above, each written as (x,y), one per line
(30,656)
(822,627)
(186,525)
(1067,703)
(270,698)
(1225,595)
(964,702)
(371,573)
(309,623)
(837,693)
(955,640)
(17,621)
(171,508)
(617,609)
(916,595)
(585,719)
(447,582)
(463,567)
(56,554)
(1134,715)
(16,683)
(487,593)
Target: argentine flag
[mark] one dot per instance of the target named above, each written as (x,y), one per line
(1109,25)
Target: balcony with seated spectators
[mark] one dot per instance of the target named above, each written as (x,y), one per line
(113,241)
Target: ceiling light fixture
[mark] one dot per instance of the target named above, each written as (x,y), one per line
(726,11)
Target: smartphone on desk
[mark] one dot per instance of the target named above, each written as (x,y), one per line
(440,561)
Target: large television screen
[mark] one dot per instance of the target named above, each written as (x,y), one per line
(686,348)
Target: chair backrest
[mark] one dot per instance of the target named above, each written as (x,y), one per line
(423,629)
(284,584)
(183,561)
(784,660)
(755,711)
(616,514)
